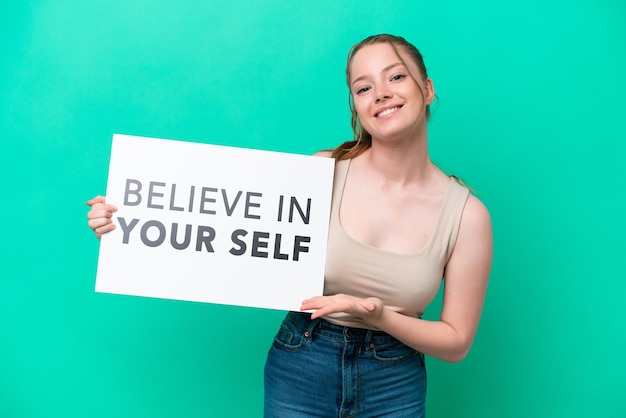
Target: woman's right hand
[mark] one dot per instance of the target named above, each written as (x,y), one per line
(100,216)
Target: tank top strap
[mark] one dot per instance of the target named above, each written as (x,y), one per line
(447,228)
(451,214)
(341,172)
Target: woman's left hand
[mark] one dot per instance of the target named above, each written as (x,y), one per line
(369,308)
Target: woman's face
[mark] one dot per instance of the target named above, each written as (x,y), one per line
(388,101)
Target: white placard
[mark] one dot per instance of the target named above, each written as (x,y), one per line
(215,224)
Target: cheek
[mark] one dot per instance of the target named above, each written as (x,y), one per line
(420,94)
(360,108)
(364,120)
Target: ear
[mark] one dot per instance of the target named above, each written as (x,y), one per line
(429,90)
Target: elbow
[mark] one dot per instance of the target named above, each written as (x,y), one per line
(457,354)
(456,357)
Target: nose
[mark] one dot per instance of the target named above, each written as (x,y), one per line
(382,94)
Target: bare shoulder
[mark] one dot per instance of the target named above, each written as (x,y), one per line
(476,214)
(473,251)
(475,232)
(324,153)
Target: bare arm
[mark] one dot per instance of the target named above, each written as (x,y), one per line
(465,285)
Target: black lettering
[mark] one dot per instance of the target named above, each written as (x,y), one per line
(191,194)
(235,238)
(134,191)
(152,193)
(280,208)
(185,243)
(294,203)
(297,248)
(277,254)
(172,196)
(206,234)
(230,209)
(250,204)
(126,228)
(257,243)
(144,233)
(205,199)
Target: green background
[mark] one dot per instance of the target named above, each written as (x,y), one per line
(530,113)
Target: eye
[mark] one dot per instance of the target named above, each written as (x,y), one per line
(398,77)
(361,90)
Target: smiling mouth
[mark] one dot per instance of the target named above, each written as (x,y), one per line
(387,112)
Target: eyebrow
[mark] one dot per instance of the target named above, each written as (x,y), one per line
(384,70)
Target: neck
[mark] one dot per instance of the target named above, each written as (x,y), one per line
(403,161)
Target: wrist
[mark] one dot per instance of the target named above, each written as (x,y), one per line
(379,318)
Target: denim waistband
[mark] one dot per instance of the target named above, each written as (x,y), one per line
(322,327)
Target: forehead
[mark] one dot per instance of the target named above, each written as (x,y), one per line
(371,59)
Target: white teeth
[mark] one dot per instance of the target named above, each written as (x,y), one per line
(388,111)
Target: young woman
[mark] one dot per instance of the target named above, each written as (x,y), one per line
(398,226)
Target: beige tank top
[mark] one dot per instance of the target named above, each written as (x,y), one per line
(406,283)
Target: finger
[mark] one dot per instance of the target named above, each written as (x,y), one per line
(321,312)
(98,223)
(97,199)
(104,229)
(101,211)
(102,205)
(308,306)
(316,302)
(97,214)
(315,315)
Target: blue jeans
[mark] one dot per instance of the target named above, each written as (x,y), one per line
(317,369)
